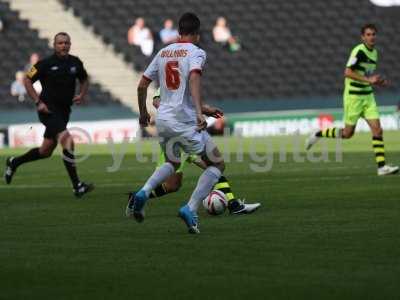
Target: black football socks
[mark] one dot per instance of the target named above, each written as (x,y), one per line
(224,186)
(329,133)
(159,191)
(31,155)
(69,163)
(379,149)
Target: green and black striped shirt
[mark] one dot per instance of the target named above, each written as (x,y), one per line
(363,61)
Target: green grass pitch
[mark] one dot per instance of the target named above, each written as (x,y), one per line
(327,230)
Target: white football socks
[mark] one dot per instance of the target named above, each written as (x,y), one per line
(205,183)
(158,177)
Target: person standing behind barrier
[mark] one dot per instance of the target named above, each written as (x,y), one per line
(141,36)
(169,34)
(222,35)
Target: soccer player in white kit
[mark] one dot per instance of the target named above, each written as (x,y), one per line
(180,122)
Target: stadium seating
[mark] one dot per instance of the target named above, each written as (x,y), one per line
(291,49)
(17,42)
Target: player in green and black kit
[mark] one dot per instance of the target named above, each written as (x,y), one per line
(174,182)
(359,100)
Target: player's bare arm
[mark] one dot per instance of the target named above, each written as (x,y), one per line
(383,83)
(144,117)
(195,83)
(374,79)
(41,106)
(83,89)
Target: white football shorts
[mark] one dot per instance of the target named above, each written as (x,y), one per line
(175,137)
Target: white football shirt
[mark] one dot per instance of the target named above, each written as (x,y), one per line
(171,67)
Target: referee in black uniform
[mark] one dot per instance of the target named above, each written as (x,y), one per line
(58,75)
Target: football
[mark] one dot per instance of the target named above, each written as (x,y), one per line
(215,203)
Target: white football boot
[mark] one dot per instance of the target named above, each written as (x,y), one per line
(312,140)
(243,208)
(387,170)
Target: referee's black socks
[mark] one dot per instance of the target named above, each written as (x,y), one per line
(31,155)
(69,163)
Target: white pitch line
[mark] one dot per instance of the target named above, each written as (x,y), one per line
(273,170)
(47,186)
(107,185)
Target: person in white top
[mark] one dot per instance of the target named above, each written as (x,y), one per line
(221,32)
(222,35)
(141,36)
(180,122)
(174,182)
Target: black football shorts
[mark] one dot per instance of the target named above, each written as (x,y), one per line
(55,122)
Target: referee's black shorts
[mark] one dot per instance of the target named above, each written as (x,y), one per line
(55,122)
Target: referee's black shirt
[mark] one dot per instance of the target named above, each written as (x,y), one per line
(58,79)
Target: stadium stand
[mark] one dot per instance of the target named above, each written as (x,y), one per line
(17,42)
(291,49)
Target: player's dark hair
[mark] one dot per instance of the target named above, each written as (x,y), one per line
(189,24)
(368,26)
(61,33)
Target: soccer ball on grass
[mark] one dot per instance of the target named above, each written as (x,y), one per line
(215,203)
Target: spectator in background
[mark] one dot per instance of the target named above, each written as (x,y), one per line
(223,36)
(169,34)
(141,36)
(17,87)
(398,114)
(33,59)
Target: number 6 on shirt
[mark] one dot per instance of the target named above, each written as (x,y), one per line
(172,78)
